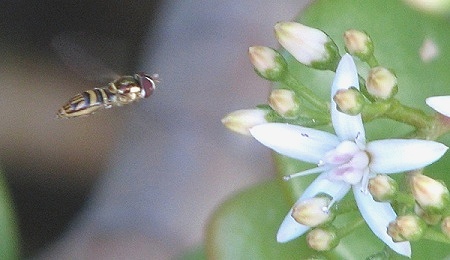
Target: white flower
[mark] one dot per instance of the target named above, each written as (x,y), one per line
(440,104)
(346,161)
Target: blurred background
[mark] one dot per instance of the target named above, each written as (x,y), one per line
(136,182)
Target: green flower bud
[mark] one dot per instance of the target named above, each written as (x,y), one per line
(284,102)
(322,239)
(381,83)
(359,44)
(310,46)
(349,101)
(406,228)
(431,195)
(383,188)
(268,63)
(429,218)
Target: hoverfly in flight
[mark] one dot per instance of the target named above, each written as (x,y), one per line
(122,91)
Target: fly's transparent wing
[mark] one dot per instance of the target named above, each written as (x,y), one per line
(69,48)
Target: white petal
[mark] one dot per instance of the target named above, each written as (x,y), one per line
(346,127)
(290,228)
(440,103)
(336,189)
(305,144)
(398,155)
(378,215)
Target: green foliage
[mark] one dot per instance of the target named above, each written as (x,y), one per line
(9,242)
(245,226)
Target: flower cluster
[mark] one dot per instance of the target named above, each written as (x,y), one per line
(346,160)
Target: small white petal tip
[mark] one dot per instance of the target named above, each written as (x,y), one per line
(440,103)
(290,229)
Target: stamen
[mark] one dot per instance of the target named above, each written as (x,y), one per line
(365,182)
(332,201)
(330,204)
(361,143)
(304,173)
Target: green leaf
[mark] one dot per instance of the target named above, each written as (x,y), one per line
(245,227)
(9,242)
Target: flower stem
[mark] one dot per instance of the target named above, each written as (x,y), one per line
(404,201)
(352,225)
(372,61)
(344,207)
(409,115)
(434,235)
(304,92)
(394,110)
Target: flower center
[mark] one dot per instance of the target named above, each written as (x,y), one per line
(347,162)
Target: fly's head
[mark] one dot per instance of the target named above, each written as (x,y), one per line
(147,83)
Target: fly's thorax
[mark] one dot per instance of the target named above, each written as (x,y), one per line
(124,85)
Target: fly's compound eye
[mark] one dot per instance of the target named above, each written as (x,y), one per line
(147,83)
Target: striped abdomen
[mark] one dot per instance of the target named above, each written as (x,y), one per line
(87,103)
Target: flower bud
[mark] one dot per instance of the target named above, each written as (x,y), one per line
(429,218)
(268,63)
(430,6)
(284,102)
(406,228)
(322,239)
(431,195)
(309,46)
(349,101)
(312,212)
(241,121)
(445,226)
(358,43)
(383,188)
(381,83)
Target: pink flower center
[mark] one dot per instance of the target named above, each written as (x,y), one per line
(347,162)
